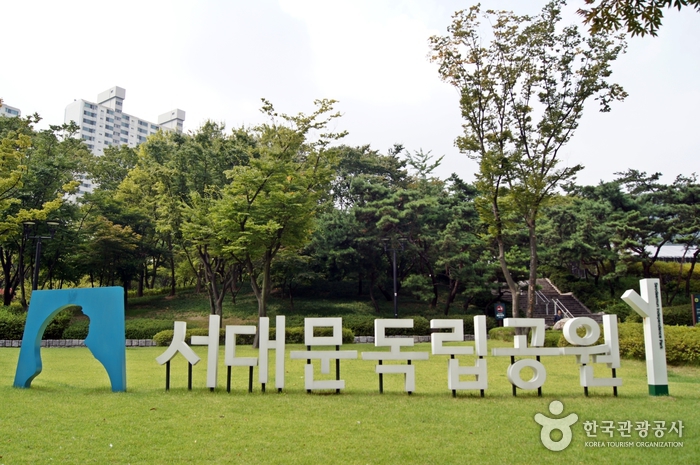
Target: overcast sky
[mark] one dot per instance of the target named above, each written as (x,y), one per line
(216,59)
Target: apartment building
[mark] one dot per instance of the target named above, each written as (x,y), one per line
(7,110)
(103,124)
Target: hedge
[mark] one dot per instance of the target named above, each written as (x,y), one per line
(294,335)
(673,316)
(13,318)
(551,338)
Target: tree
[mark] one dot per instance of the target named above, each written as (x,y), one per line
(639,17)
(522,97)
(271,202)
(37,172)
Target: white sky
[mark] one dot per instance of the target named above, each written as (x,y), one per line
(216,59)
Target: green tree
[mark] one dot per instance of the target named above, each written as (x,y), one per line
(38,172)
(522,97)
(638,17)
(271,202)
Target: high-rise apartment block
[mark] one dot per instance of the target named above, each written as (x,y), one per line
(6,110)
(103,123)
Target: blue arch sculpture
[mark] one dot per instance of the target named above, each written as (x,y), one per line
(105,308)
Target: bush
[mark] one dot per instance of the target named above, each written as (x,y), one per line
(77,330)
(621,309)
(145,328)
(60,322)
(361,325)
(682,343)
(551,338)
(293,335)
(11,323)
(502,334)
(680,315)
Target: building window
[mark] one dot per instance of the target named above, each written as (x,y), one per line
(110,112)
(89,121)
(126,141)
(89,113)
(142,131)
(111,120)
(90,146)
(108,135)
(107,126)
(154,127)
(90,106)
(90,130)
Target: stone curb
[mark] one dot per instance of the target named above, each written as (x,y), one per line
(77,343)
(152,343)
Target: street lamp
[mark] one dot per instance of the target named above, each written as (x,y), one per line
(388,242)
(37,256)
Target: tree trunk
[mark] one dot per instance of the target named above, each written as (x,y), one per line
(142,278)
(693,261)
(532,282)
(371,293)
(172,273)
(454,286)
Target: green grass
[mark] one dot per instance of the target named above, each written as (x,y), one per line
(69,415)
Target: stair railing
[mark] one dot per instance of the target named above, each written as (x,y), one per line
(560,306)
(539,296)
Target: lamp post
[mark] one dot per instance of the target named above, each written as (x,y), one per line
(392,248)
(37,254)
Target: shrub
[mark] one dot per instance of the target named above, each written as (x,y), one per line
(145,328)
(421,327)
(673,316)
(11,323)
(58,324)
(77,330)
(682,343)
(631,340)
(502,334)
(361,325)
(551,338)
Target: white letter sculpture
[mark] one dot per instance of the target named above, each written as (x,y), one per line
(454,370)
(278,345)
(324,355)
(178,344)
(649,308)
(381,340)
(230,359)
(212,343)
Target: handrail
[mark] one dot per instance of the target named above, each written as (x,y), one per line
(560,306)
(540,295)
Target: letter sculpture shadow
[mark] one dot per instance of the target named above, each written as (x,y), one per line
(105,308)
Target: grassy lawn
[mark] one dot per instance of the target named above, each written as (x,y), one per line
(70,416)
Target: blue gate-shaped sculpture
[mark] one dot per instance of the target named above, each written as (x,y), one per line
(105,308)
